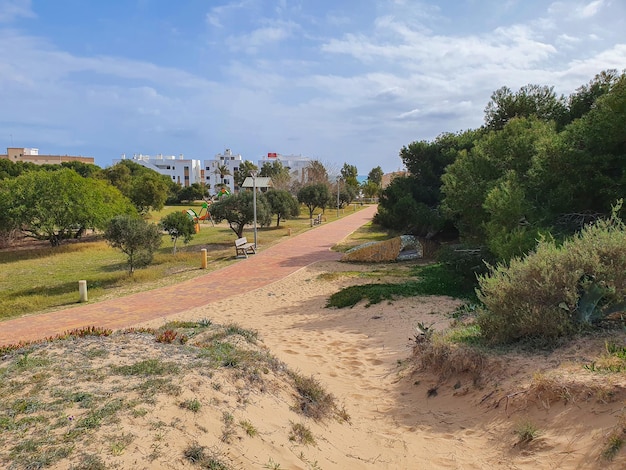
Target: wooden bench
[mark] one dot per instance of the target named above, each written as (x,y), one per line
(316,220)
(243,248)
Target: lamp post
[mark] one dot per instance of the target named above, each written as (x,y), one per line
(338,180)
(253,174)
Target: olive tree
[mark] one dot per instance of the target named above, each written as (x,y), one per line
(177,225)
(283,204)
(314,196)
(238,211)
(136,238)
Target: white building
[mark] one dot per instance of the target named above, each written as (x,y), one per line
(181,170)
(296,164)
(222,170)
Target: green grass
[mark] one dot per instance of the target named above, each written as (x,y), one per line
(147,367)
(192,405)
(432,279)
(44,278)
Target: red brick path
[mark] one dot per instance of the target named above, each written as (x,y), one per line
(258,270)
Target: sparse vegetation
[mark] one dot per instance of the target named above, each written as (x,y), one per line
(526,431)
(301,434)
(615,440)
(192,405)
(88,399)
(248,428)
(205,458)
(313,400)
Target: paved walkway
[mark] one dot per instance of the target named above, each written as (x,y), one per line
(266,267)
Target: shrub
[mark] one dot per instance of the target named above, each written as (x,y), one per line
(135,237)
(556,289)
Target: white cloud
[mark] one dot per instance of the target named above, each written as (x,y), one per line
(216,15)
(589,10)
(261,37)
(10,10)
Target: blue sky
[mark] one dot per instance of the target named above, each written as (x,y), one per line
(343,81)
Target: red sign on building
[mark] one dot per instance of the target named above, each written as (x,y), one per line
(271,155)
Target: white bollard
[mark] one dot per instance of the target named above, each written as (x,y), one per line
(82,290)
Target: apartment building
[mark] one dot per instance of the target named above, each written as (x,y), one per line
(31,155)
(221,170)
(181,170)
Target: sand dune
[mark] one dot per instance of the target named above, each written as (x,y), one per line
(400,417)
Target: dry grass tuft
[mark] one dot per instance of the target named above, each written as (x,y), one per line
(447,359)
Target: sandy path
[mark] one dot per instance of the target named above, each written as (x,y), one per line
(357,354)
(362,355)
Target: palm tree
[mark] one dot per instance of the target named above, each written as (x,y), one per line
(222,170)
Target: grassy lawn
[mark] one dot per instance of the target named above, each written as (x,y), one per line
(45,278)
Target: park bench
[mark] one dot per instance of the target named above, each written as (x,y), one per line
(243,248)
(317,220)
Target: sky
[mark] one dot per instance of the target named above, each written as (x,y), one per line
(339,81)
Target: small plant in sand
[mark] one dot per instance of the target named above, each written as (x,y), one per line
(192,405)
(248,427)
(313,400)
(526,431)
(228,432)
(301,434)
(613,359)
(171,336)
(615,440)
(89,462)
(613,445)
(437,353)
(205,458)
(271,465)
(118,444)
(147,367)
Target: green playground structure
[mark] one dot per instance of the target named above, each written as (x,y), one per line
(204,215)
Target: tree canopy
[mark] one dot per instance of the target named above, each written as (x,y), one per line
(316,173)
(243,172)
(315,196)
(178,225)
(238,211)
(282,204)
(279,174)
(349,175)
(541,164)
(147,189)
(57,205)
(135,237)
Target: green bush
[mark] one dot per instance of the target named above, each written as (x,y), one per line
(556,289)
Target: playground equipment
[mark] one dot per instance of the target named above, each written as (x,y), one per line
(194,218)
(203,215)
(224,192)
